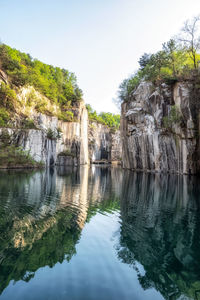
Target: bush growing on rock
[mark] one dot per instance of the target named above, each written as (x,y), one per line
(12,157)
(178,60)
(29,124)
(50,134)
(67,153)
(173,118)
(4,117)
(59,133)
(66,116)
(7,96)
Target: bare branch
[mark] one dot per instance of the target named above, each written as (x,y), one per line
(190,39)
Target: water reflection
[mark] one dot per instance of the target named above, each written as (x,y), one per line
(156,221)
(161,229)
(37,227)
(42,215)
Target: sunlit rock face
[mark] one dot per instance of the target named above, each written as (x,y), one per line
(69,137)
(104,143)
(160,128)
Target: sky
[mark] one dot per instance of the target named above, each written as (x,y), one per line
(99,40)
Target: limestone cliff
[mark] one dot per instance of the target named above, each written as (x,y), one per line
(104,143)
(50,140)
(160,128)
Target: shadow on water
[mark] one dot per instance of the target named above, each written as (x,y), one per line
(42,215)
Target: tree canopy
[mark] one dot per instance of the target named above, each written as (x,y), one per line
(59,85)
(106,118)
(178,60)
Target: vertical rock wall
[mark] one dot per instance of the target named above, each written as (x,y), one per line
(160,129)
(69,137)
(84,135)
(104,143)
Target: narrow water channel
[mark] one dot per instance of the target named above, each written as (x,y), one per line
(98,233)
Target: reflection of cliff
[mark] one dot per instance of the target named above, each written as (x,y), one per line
(42,215)
(160,229)
(104,188)
(39,229)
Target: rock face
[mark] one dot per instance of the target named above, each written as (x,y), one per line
(53,137)
(104,143)
(160,129)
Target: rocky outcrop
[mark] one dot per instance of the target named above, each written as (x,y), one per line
(160,129)
(104,143)
(34,124)
(54,141)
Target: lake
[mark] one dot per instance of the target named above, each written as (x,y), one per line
(98,232)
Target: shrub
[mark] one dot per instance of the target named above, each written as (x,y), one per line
(31,99)
(50,134)
(59,133)
(66,116)
(7,96)
(5,138)
(12,156)
(173,118)
(66,153)
(4,117)
(28,124)
(41,106)
(54,135)
(2,122)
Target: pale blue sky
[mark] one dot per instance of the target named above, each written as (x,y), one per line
(99,40)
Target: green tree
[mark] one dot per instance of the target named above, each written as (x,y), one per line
(144,60)
(59,85)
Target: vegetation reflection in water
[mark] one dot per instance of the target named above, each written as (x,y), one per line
(157,225)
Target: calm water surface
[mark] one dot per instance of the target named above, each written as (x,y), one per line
(99,233)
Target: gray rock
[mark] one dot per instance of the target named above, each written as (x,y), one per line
(147,143)
(104,143)
(73,138)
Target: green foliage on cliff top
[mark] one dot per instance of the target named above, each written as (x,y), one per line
(108,119)
(162,66)
(178,60)
(59,85)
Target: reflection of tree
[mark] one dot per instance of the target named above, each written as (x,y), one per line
(42,215)
(35,232)
(37,224)
(160,229)
(54,245)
